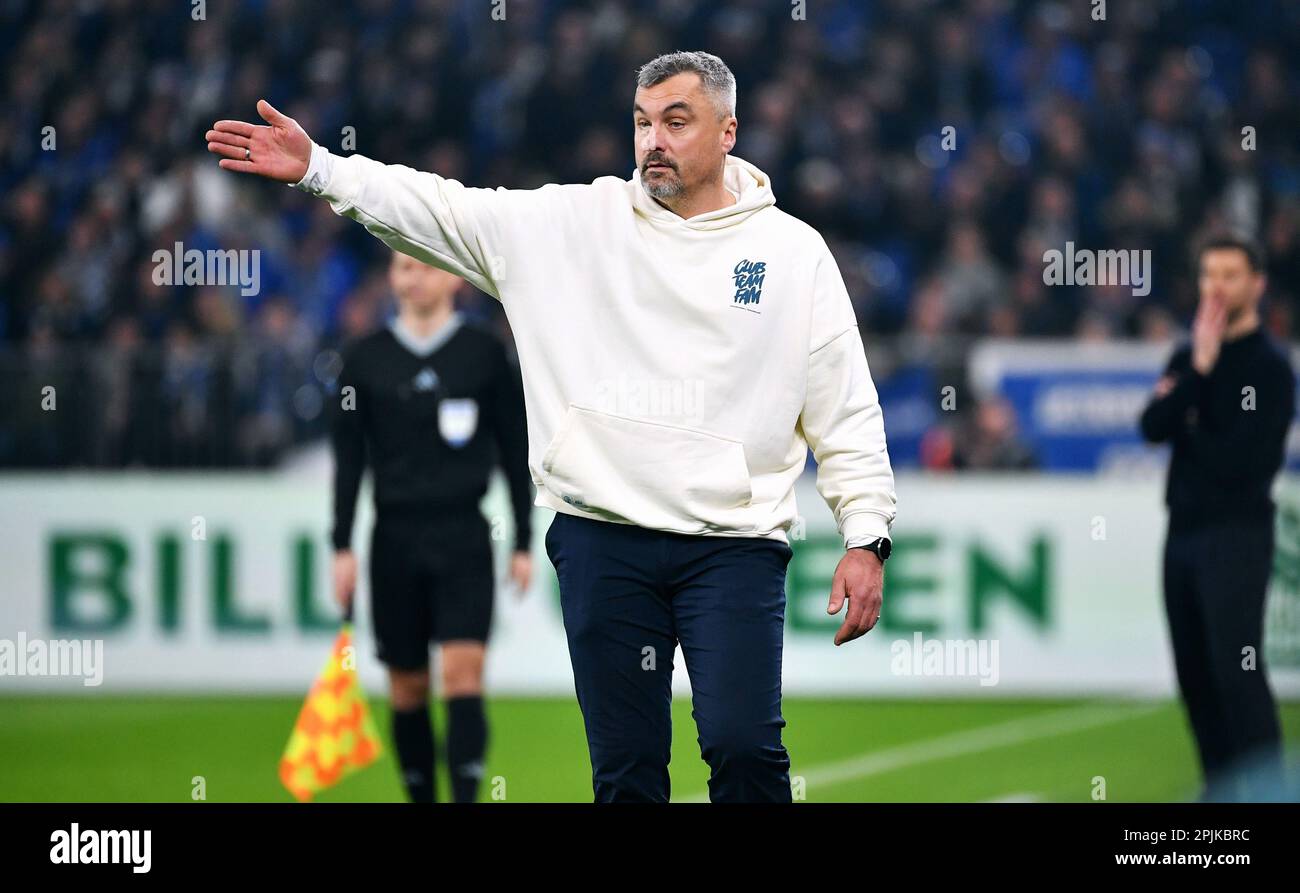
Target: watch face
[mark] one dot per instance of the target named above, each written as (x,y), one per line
(885,547)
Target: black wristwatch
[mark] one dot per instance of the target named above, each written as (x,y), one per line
(880,545)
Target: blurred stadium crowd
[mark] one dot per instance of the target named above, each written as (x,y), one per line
(1123,133)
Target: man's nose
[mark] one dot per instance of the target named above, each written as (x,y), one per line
(650,139)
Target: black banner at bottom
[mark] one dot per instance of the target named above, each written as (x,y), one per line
(375,842)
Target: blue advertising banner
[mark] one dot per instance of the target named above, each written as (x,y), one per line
(1078,404)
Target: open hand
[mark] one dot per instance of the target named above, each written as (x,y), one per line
(279,150)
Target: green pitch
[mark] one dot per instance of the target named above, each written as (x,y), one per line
(150,749)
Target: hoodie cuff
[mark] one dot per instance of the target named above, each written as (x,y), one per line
(319,169)
(863,527)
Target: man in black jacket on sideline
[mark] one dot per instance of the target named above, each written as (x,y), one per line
(1224,404)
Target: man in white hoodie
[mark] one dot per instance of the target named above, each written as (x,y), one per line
(683,343)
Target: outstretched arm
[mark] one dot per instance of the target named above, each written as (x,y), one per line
(431,218)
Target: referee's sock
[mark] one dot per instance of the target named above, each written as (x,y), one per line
(413,735)
(466,746)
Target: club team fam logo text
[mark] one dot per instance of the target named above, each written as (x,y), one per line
(748,277)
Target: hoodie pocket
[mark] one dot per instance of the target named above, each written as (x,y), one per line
(660,476)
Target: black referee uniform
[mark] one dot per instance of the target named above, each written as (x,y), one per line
(430,420)
(1227,431)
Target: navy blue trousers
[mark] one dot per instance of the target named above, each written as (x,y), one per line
(629,596)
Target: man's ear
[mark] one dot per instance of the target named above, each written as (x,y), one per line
(729,135)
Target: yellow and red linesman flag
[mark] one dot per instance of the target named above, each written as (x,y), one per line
(335,734)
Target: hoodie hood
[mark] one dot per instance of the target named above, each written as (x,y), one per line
(751,186)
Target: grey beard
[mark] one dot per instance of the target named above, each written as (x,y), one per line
(663,189)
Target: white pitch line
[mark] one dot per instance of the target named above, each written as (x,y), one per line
(957,744)
(1022,797)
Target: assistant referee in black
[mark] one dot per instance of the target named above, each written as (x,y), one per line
(1225,404)
(430,404)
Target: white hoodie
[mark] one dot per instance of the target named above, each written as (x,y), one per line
(675,371)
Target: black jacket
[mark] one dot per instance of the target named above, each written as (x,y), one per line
(1227,430)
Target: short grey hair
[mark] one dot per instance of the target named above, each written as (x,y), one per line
(715,76)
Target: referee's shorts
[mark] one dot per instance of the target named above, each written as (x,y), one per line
(431,580)
(629,596)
